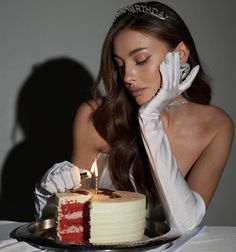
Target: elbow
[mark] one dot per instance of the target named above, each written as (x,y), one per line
(191,218)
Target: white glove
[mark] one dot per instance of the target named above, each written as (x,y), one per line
(171,88)
(61,177)
(183,208)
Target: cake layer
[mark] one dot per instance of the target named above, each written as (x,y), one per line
(75,237)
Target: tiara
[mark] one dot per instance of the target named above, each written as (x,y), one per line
(140,8)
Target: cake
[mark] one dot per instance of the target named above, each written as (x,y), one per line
(106,217)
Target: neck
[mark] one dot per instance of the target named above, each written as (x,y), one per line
(174,117)
(176,104)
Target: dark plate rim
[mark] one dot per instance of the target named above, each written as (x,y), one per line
(23,233)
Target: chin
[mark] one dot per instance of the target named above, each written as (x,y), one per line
(141,101)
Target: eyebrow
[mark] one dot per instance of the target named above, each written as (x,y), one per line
(133,51)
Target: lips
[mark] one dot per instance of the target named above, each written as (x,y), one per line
(137,91)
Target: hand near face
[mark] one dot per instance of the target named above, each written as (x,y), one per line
(171,86)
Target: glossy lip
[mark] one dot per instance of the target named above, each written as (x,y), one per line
(137,91)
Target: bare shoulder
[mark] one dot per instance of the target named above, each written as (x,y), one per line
(87,108)
(220,121)
(84,115)
(215,119)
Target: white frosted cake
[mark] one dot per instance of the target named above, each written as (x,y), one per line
(105,217)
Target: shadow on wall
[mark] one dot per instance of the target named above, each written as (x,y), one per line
(46,107)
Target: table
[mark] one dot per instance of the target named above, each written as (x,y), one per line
(203,239)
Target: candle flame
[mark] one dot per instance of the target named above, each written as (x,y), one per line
(94,169)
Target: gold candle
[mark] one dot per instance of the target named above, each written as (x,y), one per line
(96,177)
(96,184)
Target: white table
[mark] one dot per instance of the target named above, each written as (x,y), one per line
(206,239)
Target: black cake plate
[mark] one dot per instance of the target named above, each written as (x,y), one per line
(42,234)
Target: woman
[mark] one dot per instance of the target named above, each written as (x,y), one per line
(155,127)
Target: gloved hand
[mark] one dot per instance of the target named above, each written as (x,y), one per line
(171,86)
(184,209)
(61,177)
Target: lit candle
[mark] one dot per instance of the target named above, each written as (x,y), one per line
(94,169)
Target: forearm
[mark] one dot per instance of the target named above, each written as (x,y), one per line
(184,208)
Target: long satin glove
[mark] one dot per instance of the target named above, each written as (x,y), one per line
(184,208)
(59,178)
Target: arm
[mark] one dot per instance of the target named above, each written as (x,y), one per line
(183,207)
(65,175)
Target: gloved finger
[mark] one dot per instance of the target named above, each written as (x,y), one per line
(189,79)
(49,187)
(69,176)
(53,170)
(58,182)
(59,168)
(171,69)
(176,69)
(164,75)
(75,175)
(68,180)
(170,64)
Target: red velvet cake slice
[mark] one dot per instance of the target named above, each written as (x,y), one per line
(73,216)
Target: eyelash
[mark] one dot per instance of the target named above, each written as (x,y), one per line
(143,61)
(139,63)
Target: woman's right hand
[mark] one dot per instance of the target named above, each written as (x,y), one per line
(59,178)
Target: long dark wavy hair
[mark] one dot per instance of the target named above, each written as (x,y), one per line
(116,117)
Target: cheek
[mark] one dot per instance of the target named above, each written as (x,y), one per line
(153,75)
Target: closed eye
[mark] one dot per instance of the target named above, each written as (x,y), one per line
(142,62)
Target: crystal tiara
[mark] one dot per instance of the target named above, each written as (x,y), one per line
(140,8)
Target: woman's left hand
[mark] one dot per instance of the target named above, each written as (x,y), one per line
(171,86)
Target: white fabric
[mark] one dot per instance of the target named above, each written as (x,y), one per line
(212,239)
(59,178)
(184,208)
(12,245)
(104,173)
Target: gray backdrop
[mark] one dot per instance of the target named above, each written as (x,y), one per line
(34,31)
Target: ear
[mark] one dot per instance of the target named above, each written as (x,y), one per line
(183,51)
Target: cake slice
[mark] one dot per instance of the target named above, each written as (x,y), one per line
(73,216)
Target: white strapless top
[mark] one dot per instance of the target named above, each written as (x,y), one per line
(104,173)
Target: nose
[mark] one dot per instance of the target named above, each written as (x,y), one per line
(129,76)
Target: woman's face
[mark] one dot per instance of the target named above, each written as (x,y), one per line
(138,56)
